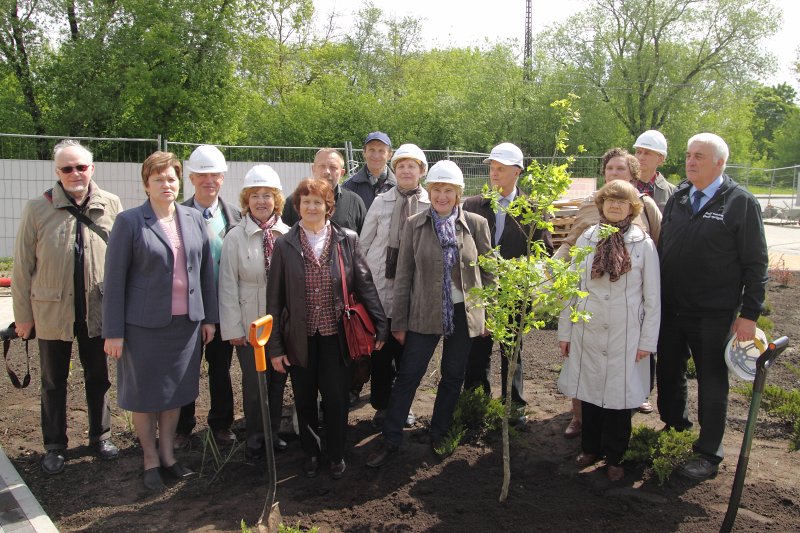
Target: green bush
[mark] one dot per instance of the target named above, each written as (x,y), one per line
(765,324)
(6,264)
(691,370)
(474,411)
(282,528)
(782,404)
(660,450)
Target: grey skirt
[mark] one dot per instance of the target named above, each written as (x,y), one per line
(160,367)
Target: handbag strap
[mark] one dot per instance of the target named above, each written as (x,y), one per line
(11,374)
(88,222)
(345,294)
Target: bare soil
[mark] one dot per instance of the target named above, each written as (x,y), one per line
(416,492)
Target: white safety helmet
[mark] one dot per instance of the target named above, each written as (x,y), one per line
(262,176)
(206,159)
(507,154)
(652,140)
(741,357)
(410,151)
(446,171)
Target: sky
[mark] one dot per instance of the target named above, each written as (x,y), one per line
(463,23)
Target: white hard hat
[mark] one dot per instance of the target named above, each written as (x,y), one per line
(410,151)
(206,159)
(445,171)
(507,154)
(741,357)
(652,140)
(262,176)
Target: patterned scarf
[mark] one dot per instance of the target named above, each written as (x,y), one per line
(269,238)
(611,255)
(445,228)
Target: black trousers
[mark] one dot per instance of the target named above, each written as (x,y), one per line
(327,374)
(479,370)
(54,360)
(385,363)
(251,398)
(605,432)
(704,339)
(218,354)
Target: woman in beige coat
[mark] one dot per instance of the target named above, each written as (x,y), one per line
(380,241)
(243,271)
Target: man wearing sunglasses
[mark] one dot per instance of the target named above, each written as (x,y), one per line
(59,258)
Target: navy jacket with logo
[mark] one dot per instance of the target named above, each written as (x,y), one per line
(715,261)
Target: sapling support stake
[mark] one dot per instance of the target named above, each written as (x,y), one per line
(260,331)
(774,349)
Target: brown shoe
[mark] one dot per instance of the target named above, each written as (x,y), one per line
(224,437)
(585,459)
(615,473)
(573,429)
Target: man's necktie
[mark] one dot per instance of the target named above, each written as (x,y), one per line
(698,196)
(207,213)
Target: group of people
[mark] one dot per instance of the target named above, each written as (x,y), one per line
(156,286)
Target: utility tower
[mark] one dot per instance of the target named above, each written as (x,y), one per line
(528,56)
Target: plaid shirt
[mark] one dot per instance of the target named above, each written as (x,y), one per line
(321,312)
(648,188)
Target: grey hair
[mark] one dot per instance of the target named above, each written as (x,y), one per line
(329,151)
(69,143)
(716,142)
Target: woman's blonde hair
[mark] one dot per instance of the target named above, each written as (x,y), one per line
(459,190)
(619,190)
(244,199)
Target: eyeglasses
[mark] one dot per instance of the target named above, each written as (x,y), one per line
(614,201)
(79,168)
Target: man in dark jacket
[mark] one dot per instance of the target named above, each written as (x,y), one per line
(505,166)
(207,167)
(350,210)
(714,260)
(375,177)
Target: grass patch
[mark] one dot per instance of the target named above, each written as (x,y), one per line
(282,528)
(780,403)
(661,451)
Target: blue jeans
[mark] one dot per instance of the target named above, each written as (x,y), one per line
(416,355)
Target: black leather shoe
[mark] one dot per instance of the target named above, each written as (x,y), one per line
(152,480)
(382,455)
(698,469)
(278,444)
(178,471)
(311,466)
(53,462)
(337,469)
(105,449)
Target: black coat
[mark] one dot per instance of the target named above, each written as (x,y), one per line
(286,293)
(514,241)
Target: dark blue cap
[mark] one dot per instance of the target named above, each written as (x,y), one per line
(378,136)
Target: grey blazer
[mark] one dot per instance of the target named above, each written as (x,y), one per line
(138,280)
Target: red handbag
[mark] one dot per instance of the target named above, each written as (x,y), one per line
(358,327)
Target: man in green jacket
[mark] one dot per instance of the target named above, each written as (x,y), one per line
(58,300)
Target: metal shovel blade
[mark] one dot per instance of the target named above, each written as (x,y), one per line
(774,349)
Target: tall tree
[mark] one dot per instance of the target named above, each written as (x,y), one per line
(645,56)
(772,106)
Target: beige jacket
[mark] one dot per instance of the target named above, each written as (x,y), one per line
(418,284)
(374,239)
(242,280)
(44,263)
(588,215)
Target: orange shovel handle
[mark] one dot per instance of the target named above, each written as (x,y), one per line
(259,340)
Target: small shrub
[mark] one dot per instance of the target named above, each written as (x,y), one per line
(691,370)
(6,264)
(218,459)
(782,404)
(474,411)
(767,309)
(661,450)
(281,528)
(781,275)
(765,324)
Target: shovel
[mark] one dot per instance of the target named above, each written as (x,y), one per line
(763,363)
(260,331)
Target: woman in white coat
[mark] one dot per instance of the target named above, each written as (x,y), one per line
(607,363)
(380,240)
(243,272)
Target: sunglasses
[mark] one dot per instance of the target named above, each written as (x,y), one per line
(79,168)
